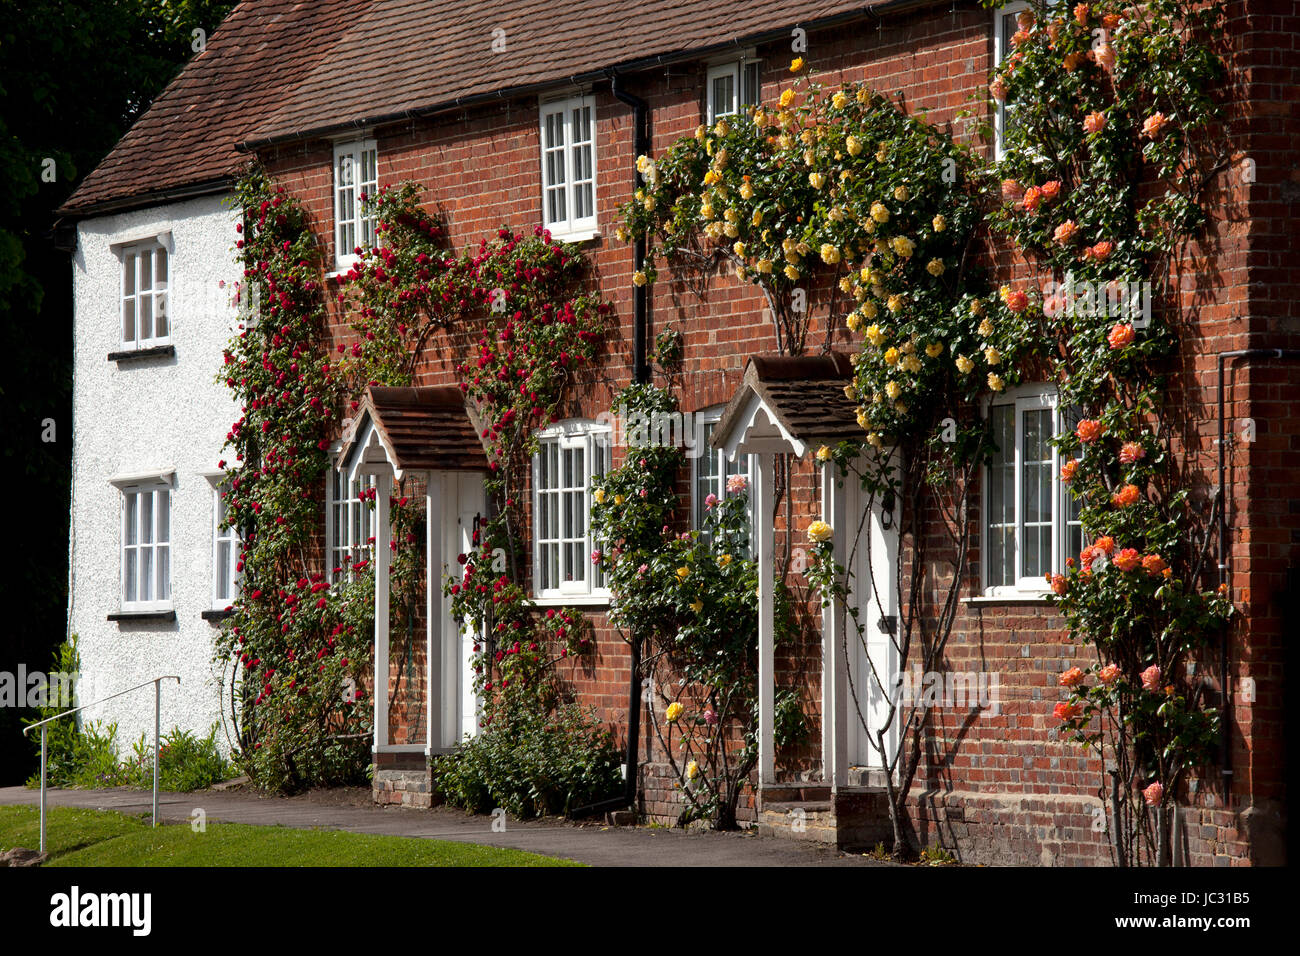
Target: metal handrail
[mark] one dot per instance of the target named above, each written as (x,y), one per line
(157,713)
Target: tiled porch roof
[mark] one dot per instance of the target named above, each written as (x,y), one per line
(424,428)
(805,394)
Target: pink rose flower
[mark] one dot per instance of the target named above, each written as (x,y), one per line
(1153,124)
(1130,452)
(1089,430)
(1153,794)
(1121,335)
(1151,678)
(1071,678)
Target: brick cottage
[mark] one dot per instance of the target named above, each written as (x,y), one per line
(516,114)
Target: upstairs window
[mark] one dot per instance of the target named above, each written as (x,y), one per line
(351,523)
(1031,521)
(568,138)
(146,547)
(568,457)
(731,86)
(356,178)
(145,322)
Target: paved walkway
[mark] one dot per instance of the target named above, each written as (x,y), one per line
(332,810)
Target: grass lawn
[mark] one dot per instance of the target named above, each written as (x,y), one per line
(77,837)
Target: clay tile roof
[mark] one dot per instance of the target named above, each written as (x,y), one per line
(279,69)
(427,428)
(804,393)
(402,56)
(185,143)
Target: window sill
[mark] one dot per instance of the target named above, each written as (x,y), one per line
(154,351)
(143,616)
(1042,599)
(573,600)
(577,238)
(217,614)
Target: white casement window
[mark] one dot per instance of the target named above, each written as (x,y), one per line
(1004,28)
(711,470)
(146,546)
(568,138)
(356,178)
(731,86)
(145,320)
(225,553)
(350,523)
(1031,522)
(568,457)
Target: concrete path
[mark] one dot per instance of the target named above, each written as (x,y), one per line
(348,810)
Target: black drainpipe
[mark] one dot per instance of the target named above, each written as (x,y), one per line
(641,375)
(641,147)
(1225,733)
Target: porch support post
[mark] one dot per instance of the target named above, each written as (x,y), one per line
(835,696)
(383,562)
(766,553)
(433,704)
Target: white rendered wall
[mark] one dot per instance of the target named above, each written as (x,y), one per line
(150,415)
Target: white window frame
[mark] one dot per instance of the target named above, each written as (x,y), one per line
(1023,399)
(706,419)
(1002,50)
(347,210)
(595,440)
(158,295)
(229,538)
(569,227)
(160,490)
(338,534)
(746,87)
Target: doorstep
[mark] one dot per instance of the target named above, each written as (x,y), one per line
(855,815)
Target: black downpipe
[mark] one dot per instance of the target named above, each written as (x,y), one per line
(1225,733)
(641,374)
(640,147)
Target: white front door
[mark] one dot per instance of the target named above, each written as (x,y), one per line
(468,705)
(454,501)
(872,558)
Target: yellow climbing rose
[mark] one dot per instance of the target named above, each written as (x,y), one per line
(820,531)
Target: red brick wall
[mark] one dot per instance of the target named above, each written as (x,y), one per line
(1000,787)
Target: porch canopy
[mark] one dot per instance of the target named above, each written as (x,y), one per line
(787,405)
(398,432)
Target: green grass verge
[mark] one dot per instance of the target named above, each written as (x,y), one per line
(76,837)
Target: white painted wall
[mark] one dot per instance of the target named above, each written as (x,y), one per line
(144,415)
